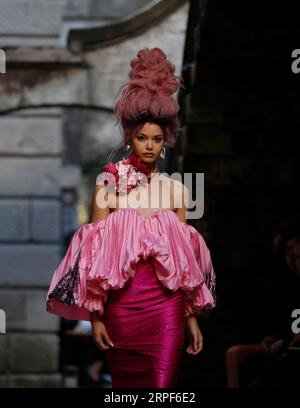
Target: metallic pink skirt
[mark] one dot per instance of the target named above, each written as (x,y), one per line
(146,324)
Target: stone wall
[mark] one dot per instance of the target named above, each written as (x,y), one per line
(30,22)
(46,23)
(31,205)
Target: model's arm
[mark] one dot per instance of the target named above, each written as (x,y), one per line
(100,211)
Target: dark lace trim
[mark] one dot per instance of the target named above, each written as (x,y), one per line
(66,287)
(210,282)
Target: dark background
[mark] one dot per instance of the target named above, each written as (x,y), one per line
(242,117)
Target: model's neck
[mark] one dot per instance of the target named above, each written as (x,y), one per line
(152,167)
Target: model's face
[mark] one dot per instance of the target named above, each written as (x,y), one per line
(149,140)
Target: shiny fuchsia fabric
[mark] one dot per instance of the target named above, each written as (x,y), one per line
(146,324)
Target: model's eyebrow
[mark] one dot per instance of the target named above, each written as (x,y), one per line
(153,136)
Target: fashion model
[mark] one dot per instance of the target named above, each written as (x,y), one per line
(138,271)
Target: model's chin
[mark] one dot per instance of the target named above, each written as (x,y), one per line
(148,159)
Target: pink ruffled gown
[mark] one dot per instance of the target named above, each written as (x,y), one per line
(144,275)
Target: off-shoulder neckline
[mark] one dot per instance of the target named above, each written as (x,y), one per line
(141,214)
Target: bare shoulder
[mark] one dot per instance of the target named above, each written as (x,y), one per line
(100,202)
(100,181)
(181,199)
(179,192)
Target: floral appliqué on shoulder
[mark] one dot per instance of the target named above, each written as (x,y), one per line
(126,174)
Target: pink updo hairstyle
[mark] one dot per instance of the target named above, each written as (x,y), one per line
(146,97)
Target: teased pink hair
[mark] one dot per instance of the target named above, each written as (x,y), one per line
(146,97)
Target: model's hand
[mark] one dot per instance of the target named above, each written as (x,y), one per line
(268,341)
(276,346)
(195,336)
(295,341)
(100,336)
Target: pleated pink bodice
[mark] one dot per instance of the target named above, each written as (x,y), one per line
(103,255)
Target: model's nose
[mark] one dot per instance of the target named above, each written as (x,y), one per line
(149,144)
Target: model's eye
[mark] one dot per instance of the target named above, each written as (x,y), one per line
(141,138)
(158,140)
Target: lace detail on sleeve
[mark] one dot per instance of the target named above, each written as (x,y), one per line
(210,282)
(203,297)
(66,289)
